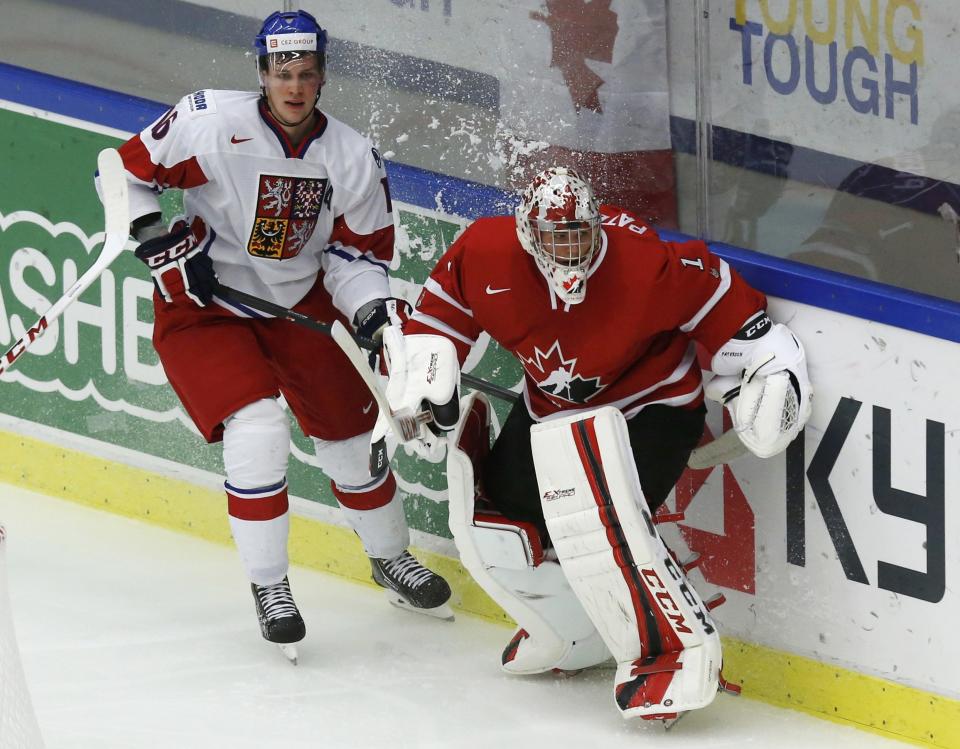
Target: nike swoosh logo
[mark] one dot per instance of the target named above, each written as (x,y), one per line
(491,290)
(236,140)
(369,406)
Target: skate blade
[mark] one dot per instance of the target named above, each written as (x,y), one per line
(568,673)
(289,652)
(443,611)
(667,720)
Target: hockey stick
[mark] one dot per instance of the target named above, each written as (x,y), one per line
(116,213)
(406,425)
(723,449)
(262,305)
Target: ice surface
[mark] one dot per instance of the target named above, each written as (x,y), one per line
(136,637)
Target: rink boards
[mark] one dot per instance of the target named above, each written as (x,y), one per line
(835,558)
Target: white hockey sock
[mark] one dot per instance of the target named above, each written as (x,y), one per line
(256,445)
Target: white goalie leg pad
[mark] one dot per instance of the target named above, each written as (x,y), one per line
(661,634)
(506,560)
(256,447)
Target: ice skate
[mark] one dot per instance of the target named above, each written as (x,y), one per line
(411,586)
(280,621)
(667,720)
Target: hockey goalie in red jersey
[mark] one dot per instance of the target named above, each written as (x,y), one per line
(284,202)
(555,519)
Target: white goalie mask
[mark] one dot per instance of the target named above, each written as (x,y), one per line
(558,223)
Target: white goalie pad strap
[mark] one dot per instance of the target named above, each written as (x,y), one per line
(506,560)
(774,400)
(651,618)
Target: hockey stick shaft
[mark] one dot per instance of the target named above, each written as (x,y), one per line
(116,211)
(263,305)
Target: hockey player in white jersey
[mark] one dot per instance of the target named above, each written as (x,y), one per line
(284,202)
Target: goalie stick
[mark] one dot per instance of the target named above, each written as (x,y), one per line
(723,449)
(116,212)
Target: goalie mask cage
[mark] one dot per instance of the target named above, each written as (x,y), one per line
(18,724)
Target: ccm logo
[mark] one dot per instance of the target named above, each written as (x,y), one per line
(757,328)
(667,605)
(171,253)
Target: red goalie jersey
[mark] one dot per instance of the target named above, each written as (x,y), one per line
(628,344)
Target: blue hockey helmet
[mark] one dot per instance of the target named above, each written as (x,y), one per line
(293,31)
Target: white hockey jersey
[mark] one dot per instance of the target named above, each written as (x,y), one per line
(276,215)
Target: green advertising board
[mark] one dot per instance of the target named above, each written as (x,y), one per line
(94,373)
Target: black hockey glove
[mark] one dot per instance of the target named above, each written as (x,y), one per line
(179,266)
(373,317)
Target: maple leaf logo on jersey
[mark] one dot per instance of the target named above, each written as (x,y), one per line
(287,210)
(580,31)
(556,375)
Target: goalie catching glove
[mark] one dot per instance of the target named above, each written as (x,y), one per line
(424,386)
(770,400)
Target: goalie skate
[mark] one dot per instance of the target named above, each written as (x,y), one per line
(411,586)
(280,620)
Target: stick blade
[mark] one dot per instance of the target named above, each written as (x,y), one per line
(113,188)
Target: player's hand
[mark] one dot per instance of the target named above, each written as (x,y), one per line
(373,318)
(179,266)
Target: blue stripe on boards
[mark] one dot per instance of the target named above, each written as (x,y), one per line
(840,293)
(79,100)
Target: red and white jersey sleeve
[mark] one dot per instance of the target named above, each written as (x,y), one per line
(156,160)
(360,247)
(702,295)
(629,344)
(277,214)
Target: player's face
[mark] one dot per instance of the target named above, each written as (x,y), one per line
(292,89)
(569,246)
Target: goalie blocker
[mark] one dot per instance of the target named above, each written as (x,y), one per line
(620,592)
